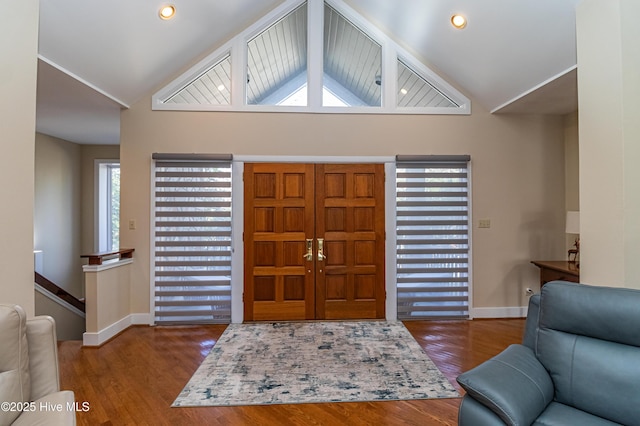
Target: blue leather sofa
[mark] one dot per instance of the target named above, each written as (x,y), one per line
(579,363)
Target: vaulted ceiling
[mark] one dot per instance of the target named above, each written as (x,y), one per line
(514,56)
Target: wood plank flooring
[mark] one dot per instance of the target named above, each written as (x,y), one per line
(133,379)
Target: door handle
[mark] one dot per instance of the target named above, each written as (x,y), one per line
(321,255)
(308,256)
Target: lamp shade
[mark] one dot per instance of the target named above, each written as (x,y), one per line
(573,223)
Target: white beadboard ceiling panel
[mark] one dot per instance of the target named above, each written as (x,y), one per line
(352,58)
(277,55)
(211,88)
(416,92)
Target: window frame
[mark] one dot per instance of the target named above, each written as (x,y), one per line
(103,230)
(237,49)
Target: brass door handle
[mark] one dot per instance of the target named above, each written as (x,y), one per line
(321,255)
(308,256)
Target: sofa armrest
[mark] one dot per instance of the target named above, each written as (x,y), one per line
(52,410)
(43,356)
(473,413)
(513,384)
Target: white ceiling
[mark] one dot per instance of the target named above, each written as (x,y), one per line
(514,56)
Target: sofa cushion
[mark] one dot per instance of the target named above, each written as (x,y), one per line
(14,360)
(588,341)
(513,384)
(604,313)
(599,377)
(558,414)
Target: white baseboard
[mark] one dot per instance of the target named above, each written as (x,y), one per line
(102,336)
(507,312)
(99,338)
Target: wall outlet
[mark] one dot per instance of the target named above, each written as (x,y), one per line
(132,224)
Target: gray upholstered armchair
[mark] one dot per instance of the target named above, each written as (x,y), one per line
(29,378)
(579,363)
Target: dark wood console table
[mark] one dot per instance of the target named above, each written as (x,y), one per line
(561,270)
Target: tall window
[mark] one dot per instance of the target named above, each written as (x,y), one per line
(192,234)
(108,205)
(432,237)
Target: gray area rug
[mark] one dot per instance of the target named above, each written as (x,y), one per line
(312,362)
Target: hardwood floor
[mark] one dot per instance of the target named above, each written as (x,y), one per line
(133,379)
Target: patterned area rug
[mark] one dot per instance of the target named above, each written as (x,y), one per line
(311,362)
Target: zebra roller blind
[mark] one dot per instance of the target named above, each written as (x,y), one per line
(432,237)
(192,261)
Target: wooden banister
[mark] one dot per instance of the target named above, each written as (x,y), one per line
(98,258)
(59,292)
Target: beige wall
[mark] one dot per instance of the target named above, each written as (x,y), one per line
(572,168)
(18,70)
(572,162)
(607,33)
(69,325)
(56,225)
(108,291)
(517,164)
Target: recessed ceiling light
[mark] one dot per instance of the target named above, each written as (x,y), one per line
(403,91)
(221,87)
(167,11)
(459,21)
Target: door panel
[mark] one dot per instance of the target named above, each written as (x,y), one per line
(288,206)
(350,219)
(279,203)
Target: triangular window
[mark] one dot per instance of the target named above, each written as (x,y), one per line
(416,92)
(211,88)
(312,56)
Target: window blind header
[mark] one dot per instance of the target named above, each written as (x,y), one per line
(432,158)
(191,157)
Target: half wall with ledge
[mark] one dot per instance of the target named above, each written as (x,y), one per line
(107,280)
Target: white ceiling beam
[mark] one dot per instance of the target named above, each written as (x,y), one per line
(533,89)
(83,81)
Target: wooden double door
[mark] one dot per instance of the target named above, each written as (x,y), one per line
(313,241)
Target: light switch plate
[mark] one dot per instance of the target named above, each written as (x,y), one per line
(484,223)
